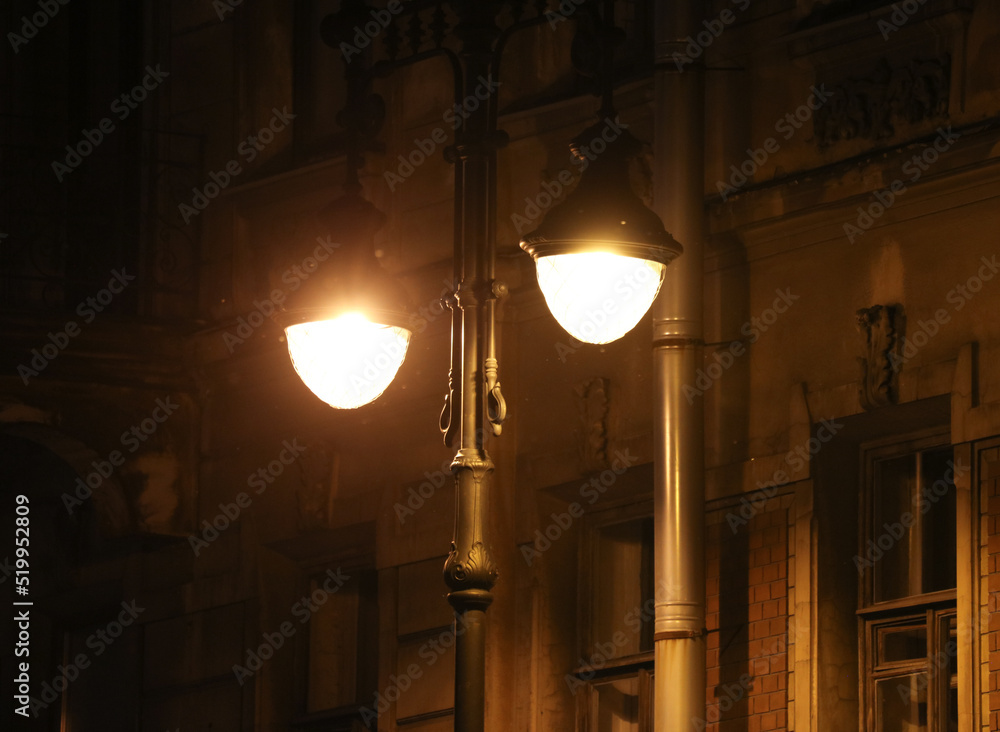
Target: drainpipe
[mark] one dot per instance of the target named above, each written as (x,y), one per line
(679,469)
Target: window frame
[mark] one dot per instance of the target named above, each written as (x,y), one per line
(588,704)
(346,714)
(870,452)
(928,608)
(636,665)
(932,617)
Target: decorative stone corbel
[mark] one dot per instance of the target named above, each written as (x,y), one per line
(882,326)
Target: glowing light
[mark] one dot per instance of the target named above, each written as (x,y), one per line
(347,361)
(596,296)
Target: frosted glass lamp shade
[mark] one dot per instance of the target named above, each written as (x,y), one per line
(347,361)
(600,255)
(598,297)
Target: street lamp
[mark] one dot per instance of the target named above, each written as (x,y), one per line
(348,332)
(602,251)
(600,255)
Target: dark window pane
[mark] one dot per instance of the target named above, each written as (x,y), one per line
(895,487)
(901,704)
(937,507)
(951,714)
(945,664)
(333,649)
(618,706)
(912,533)
(622,602)
(904,643)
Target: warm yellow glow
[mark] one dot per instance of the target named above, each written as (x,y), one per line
(348,361)
(598,297)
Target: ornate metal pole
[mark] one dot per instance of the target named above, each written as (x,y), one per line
(470,571)
(474,405)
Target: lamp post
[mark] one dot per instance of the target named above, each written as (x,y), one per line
(617,231)
(474,404)
(679,423)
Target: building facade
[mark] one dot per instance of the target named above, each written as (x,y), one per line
(212,547)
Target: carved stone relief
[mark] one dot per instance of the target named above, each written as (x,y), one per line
(882,328)
(870,107)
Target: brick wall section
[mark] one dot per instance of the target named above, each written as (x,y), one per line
(747,618)
(990,648)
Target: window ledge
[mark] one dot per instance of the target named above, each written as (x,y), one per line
(614,666)
(914,601)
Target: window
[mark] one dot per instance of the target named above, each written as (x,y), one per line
(614,676)
(341,670)
(914,672)
(622,704)
(908,563)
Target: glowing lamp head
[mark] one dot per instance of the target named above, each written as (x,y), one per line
(347,361)
(600,255)
(348,327)
(598,297)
